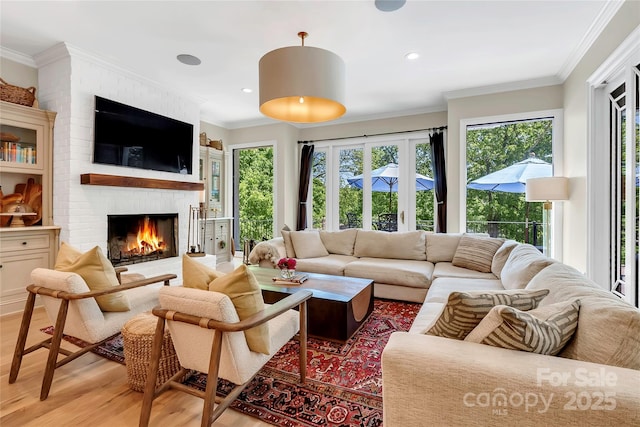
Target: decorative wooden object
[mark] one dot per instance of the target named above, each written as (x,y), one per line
(129,181)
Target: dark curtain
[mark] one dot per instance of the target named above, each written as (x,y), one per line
(306,162)
(440,179)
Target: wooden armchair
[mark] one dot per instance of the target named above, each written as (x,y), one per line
(208,337)
(72,308)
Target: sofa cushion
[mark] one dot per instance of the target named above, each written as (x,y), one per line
(608,328)
(97,272)
(476,252)
(243,289)
(543,330)
(442,287)
(415,274)
(397,245)
(197,275)
(441,247)
(426,317)
(501,256)
(307,244)
(524,262)
(288,246)
(331,264)
(447,269)
(465,310)
(339,242)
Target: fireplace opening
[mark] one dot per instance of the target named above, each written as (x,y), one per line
(140,238)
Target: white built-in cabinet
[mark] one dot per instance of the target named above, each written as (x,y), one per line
(26,144)
(217,229)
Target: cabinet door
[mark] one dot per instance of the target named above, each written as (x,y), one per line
(21,147)
(215,184)
(15,275)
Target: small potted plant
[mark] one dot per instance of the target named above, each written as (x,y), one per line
(287,267)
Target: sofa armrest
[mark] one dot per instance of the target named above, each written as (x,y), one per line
(449,382)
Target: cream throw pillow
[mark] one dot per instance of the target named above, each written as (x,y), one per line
(307,244)
(243,289)
(544,330)
(197,275)
(464,310)
(97,272)
(397,245)
(476,253)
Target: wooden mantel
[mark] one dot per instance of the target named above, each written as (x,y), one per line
(129,181)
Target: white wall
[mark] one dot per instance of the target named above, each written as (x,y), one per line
(575,127)
(69,79)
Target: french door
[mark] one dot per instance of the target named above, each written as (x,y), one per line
(371,183)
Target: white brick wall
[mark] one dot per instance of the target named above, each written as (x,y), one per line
(68,84)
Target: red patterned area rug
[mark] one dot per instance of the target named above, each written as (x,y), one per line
(344,381)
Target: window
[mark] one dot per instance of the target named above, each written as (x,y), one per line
(612,177)
(500,154)
(379,183)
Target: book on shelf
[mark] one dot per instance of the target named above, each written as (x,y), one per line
(295,280)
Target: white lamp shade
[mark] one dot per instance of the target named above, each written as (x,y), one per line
(547,189)
(300,73)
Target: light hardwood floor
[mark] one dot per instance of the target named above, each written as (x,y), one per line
(89,391)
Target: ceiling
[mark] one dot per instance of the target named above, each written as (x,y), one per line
(465,47)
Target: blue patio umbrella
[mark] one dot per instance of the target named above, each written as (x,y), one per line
(513,179)
(385,179)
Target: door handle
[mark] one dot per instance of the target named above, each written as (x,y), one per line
(402,217)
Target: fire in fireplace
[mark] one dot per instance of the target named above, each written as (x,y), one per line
(140,238)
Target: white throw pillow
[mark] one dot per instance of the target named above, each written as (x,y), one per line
(339,242)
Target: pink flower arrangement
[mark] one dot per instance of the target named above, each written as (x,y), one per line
(287,264)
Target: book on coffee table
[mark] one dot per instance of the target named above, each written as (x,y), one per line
(295,280)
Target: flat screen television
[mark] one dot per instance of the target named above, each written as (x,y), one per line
(128,136)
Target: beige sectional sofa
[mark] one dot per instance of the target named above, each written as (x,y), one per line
(403,265)
(431,380)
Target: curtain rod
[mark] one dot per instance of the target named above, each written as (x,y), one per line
(375,134)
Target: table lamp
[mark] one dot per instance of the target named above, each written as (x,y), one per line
(547,190)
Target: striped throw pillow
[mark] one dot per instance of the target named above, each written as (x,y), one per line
(465,310)
(476,253)
(545,330)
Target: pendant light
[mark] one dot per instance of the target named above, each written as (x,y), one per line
(302,84)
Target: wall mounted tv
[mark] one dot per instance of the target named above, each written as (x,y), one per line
(128,136)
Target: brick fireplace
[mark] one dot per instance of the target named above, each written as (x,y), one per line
(133,239)
(81,210)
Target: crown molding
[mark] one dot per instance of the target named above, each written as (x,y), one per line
(65,50)
(503,87)
(599,24)
(18,57)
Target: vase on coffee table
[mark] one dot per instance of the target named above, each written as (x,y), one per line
(287,273)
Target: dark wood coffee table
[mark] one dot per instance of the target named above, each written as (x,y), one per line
(336,310)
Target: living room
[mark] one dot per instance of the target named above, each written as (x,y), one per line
(67,79)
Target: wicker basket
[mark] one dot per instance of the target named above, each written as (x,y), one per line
(17,94)
(137,335)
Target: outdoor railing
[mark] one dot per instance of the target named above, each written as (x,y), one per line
(255,229)
(514,230)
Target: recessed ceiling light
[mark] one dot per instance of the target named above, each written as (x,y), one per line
(188,59)
(247,90)
(389,5)
(412,55)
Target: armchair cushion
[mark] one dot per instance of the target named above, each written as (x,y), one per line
(197,275)
(243,289)
(193,344)
(98,273)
